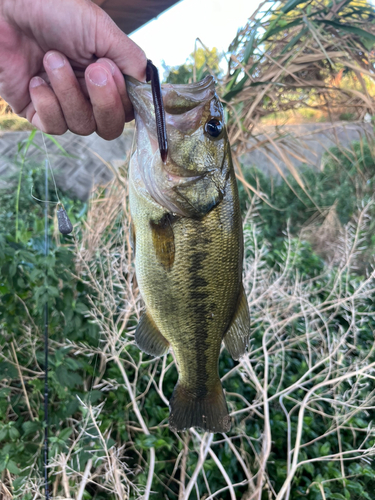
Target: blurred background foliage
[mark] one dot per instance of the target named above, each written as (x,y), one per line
(202,62)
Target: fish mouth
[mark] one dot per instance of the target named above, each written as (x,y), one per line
(183,104)
(177,98)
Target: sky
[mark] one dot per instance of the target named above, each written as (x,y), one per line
(171,36)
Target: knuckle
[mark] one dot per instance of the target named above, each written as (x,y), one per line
(107,64)
(66,92)
(79,118)
(82,128)
(109,134)
(56,130)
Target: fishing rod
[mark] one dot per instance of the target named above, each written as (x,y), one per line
(46,448)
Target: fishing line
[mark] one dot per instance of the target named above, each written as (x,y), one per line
(50,167)
(66,227)
(63,221)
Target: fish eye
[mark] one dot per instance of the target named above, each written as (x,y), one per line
(213,127)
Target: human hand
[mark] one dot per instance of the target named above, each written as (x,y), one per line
(62,66)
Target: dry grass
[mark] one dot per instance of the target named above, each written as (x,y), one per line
(4,107)
(289,63)
(291,317)
(11,122)
(323,231)
(278,299)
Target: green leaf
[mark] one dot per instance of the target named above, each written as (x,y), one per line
(324,449)
(81,308)
(292,4)
(360,422)
(350,29)
(12,467)
(249,49)
(110,442)
(65,434)
(160,443)
(277,29)
(13,433)
(294,40)
(309,468)
(18,482)
(58,145)
(31,427)
(8,371)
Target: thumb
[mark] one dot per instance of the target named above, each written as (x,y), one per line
(113,44)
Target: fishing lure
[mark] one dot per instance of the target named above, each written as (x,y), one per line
(152,75)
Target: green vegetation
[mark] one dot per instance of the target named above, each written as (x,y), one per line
(201,63)
(108,402)
(345,184)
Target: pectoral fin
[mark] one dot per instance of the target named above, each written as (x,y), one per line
(148,338)
(163,240)
(237,336)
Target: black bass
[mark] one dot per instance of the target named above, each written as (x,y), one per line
(188,243)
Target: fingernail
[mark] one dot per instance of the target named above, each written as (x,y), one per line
(98,76)
(108,63)
(55,60)
(36,82)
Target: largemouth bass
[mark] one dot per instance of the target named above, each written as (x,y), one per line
(188,243)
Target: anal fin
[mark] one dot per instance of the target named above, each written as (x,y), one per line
(237,336)
(148,337)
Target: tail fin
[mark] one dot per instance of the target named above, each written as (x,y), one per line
(209,413)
